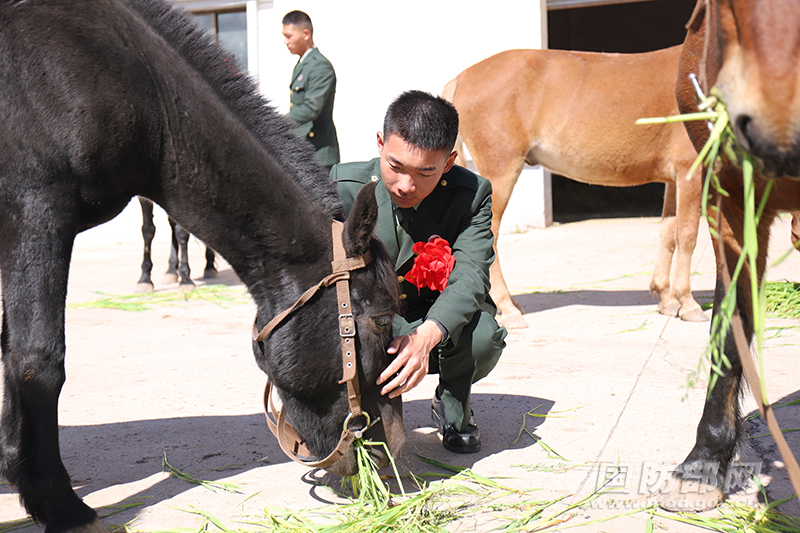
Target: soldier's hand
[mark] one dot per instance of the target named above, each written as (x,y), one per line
(412,359)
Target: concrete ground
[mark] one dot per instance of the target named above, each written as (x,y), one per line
(599,380)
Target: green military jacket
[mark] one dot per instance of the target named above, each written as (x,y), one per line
(460,210)
(312,92)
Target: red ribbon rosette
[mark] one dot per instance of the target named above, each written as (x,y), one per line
(433,264)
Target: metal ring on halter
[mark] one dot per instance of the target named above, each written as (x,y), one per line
(358,432)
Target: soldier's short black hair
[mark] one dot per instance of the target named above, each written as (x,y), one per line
(426,121)
(299,19)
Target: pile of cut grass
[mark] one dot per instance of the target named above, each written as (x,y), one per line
(374,507)
(739,518)
(783,299)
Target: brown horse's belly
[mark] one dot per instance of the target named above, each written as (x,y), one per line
(597,170)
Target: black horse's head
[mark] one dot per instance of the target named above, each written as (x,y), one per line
(303,356)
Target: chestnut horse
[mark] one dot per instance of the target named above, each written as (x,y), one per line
(575,113)
(750,51)
(103,100)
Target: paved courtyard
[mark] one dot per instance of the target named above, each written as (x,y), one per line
(599,381)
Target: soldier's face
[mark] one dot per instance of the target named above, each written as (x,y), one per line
(410,173)
(295,39)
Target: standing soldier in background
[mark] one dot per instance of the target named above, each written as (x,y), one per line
(313,88)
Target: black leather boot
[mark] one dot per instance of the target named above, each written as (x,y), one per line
(467,441)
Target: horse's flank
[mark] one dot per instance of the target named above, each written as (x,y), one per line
(555,107)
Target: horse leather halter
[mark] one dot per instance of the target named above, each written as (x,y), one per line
(290,441)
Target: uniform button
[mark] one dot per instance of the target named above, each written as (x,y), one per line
(291,91)
(444,183)
(400,279)
(297,88)
(374,178)
(310,133)
(291,104)
(403,296)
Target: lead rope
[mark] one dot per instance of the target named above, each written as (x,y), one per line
(289,440)
(752,377)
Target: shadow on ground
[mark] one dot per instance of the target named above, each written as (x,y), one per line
(213,448)
(536,302)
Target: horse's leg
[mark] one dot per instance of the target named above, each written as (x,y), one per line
(509,313)
(688,222)
(184,271)
(35,267)
(796,230)
(660,284)
(171,275)
(210,271)
(148,233)
(699,482)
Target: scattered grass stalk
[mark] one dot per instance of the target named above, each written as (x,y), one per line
(723,141)
(213,486)
(551,453)
(14,525)
(221,295)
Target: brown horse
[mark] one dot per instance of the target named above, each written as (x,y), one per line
(575,113)
(749,51)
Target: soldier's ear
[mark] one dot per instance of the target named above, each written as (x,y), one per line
(451,160)
(360,224)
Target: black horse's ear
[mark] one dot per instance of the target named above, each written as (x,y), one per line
(360,224)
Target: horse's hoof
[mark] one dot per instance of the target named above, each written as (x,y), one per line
(689,495)
(210,274)
(695,315)
(186,287)
(143,288)
(92,527)
(170,278)
(512,321)
(669,308)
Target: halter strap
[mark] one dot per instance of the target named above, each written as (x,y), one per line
(288,438)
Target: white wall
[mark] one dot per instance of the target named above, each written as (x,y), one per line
(380,49)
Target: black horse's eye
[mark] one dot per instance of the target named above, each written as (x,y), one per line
(382,322)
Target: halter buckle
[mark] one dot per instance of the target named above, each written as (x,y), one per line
(347,325)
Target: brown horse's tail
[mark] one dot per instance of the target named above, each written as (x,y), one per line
(449,94)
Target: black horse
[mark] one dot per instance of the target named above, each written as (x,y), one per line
(103,100)
(178,266)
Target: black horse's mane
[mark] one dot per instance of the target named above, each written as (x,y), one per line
(240,94)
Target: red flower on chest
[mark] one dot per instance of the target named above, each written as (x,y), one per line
(433,264)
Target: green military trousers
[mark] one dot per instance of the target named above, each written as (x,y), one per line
(460,365)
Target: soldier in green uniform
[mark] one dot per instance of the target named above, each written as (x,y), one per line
(421,194)
(312,89)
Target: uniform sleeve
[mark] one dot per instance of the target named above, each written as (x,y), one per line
(468,284)
(345,187)
(319,84)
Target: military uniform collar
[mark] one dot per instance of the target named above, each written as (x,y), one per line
(306,53)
